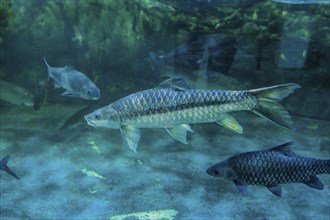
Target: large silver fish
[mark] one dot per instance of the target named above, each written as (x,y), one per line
(173,105)
(75,83)
(15,94)
(270,168)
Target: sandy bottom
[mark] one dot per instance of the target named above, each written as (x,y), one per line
(83,172)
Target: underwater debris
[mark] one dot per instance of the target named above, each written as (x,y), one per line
(166,214)
(79,35)
(92,173)
(93,145)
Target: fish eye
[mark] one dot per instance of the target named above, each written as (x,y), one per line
(97,116)
(89,93)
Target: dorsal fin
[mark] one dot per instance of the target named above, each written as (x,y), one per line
(176,82)
(69,67)
(5,159)
(284,148)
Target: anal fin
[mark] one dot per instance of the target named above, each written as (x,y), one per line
(230,123)
(314,182)
(276,190)
(179,132)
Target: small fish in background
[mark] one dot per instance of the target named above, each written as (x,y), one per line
(74,82)
(40,94)
(303,1)
(270,168)
(192,53)
(4,167)
(76,117)
(173,106)
(15,94)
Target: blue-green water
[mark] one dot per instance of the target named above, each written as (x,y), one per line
(81,172)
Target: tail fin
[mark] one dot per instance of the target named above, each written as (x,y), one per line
(4,167)
(155,59)
(269,106)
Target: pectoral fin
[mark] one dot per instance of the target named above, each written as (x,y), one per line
(230,123)
(179,132)
(68,94)
(56,86)
(276,190)
(241,186)
(131,136)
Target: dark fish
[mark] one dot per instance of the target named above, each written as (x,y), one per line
(191,54)
(173,105)
(40,94)
(74,82)
(270,168)
(303,1)
(4,167)
(76,117)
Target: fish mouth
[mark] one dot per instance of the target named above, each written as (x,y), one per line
(96,97)
(89,122)
(209,171)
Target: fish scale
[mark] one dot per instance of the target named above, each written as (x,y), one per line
(75,83)
(173,106)
(291,169)
(176,107)
(270,168)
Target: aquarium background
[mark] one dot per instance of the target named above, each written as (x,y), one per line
(69,170)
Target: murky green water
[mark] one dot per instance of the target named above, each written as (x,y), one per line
(69,170)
